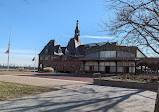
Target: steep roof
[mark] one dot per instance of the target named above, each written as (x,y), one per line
(86,47)
(52,48)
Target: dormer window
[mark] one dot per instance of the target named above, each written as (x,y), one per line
(59,51)
(46,50)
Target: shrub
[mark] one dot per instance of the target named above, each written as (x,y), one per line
(21,69)
(48,69)
(153,80)
(141,78)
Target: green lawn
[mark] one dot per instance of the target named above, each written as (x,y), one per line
(13,90)
(3,74)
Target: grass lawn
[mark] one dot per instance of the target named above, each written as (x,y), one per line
(3,74)
(13,90)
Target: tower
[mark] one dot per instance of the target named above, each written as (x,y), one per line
(75,41)
(77,32)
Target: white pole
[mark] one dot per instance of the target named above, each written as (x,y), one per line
(34,61)
(8,63)
(9,49)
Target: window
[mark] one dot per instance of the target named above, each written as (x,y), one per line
(46,50)
(46,58)
(59,51)
(57,66)
(73,67)
(45,65)
(52,58)
(108,54)
(64,67)
(64,58)
(41,58)
(81,68)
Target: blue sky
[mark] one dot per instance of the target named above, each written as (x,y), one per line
(35,22)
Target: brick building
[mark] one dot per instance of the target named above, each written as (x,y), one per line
(101,57)
(63,59)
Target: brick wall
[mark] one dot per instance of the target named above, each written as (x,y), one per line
(62,63)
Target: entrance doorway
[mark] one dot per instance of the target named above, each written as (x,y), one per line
(107,69)
(90,68)
(126,69)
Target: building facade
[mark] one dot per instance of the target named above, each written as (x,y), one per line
(104,57)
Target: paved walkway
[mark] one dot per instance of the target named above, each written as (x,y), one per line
(74,77)
(44,82)
(90,98)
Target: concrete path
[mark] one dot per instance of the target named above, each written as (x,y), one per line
(43,82)
(69,76)
(87,98)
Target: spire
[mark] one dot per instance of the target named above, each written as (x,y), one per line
(77,27)
(77,31)
(77,34)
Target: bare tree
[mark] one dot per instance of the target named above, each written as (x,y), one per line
(136,22)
